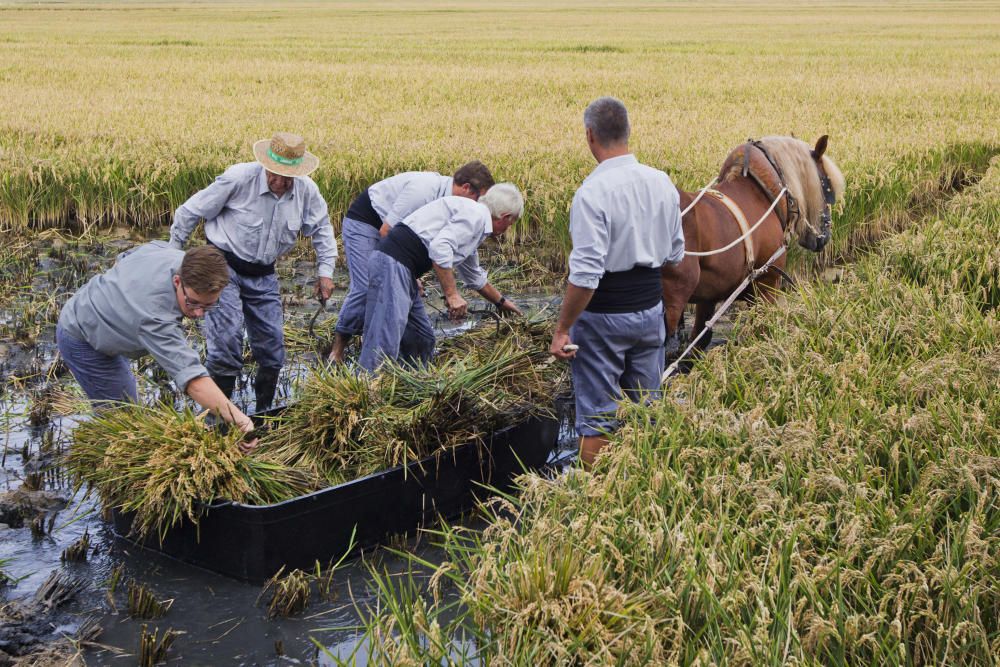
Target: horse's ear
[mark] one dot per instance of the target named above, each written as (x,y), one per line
(820,147)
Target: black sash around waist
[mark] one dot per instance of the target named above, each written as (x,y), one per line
(243,267)
(627,291)
(404,246)
(361,209)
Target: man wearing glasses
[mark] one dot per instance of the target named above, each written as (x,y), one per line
(136,308)
(254,213)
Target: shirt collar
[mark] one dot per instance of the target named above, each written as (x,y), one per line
(263,189)
(614,163)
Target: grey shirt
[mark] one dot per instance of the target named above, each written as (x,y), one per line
(624,215)
(243,216)
(452,228)
(398,196)
(132,309)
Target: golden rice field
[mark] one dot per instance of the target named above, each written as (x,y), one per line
(116,112)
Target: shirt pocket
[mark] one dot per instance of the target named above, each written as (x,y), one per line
(290,230)
(248,231)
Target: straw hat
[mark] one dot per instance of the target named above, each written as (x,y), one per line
(285,154)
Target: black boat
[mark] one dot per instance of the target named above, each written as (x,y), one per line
(252,542)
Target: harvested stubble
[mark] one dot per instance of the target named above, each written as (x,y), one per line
(161,464)
(77,552)
(289,593)
(153,648)
(824,492)
(142,602)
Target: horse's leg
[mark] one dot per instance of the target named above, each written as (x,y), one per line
(678,281)
(703,312)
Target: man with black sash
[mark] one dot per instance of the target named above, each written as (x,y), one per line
(254,213)
(444,235)
(378,209)
(625,223)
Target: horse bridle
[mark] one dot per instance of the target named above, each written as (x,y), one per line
(791,203)
(793,210)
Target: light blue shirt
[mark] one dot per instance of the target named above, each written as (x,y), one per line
(400,195)
(452,229)
(243,216)
(624,215)
(132,309)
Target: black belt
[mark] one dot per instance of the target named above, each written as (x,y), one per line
(404,246)
(628,291)
(243,267)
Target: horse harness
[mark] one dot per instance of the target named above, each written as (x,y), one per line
(791,211)
(741,220)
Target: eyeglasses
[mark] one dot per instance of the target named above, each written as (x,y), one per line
(195,305)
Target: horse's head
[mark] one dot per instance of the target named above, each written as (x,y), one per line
(814,183)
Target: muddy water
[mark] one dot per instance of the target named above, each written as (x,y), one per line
(221,620)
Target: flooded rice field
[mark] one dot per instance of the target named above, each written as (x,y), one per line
(68,578)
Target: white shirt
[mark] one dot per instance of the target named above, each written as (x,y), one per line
(452,228)
(625,214)
(243,216)
(398,196)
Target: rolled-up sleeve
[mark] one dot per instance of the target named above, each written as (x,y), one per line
(316,225)
(168,345)
(207,204)
(589,232)
(472,274)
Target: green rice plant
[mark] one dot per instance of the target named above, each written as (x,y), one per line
(823,492)
(4,577)
(164,466)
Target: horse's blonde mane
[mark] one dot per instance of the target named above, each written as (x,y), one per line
(794,156)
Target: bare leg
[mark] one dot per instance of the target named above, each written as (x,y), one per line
(339,350)
(590,447)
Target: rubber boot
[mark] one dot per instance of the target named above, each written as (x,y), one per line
(264,386)
(227,383)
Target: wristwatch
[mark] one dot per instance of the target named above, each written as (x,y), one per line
(502,301)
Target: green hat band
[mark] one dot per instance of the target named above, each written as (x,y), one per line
(290,161)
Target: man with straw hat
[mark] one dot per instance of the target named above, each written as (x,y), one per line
(375,211)
(625,224)
(254,213)
(136,308)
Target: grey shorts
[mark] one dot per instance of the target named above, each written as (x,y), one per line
(620,354)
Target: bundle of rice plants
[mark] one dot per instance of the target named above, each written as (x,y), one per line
(164,466)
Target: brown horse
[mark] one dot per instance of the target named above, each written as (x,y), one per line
(751,179)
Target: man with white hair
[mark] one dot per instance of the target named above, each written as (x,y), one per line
(444,235)
(375,211)
(625,224)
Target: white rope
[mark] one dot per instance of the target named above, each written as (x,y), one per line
(722,309)
(750,231)
(700,195)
